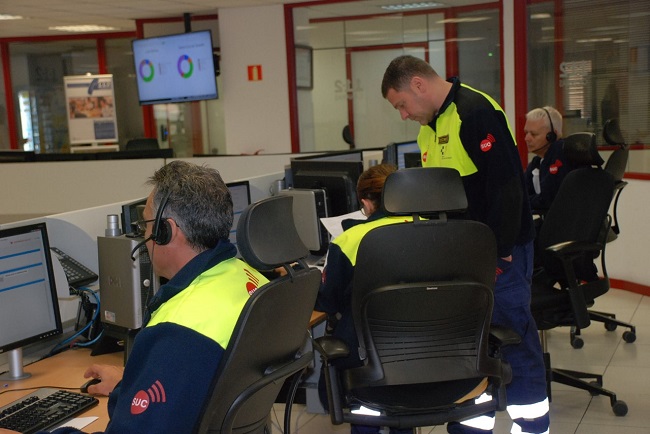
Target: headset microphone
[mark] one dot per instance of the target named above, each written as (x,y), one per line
(140,244)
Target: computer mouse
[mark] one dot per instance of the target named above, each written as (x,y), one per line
(84,387)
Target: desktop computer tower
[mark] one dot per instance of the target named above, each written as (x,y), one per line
(125,285)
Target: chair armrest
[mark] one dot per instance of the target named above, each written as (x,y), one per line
(570,248)
(502,336)
(566,252)
(331,348)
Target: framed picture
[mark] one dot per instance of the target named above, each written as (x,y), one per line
(304,67)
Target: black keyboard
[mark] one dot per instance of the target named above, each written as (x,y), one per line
(43,409)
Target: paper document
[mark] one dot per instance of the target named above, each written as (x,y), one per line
(333,224)
(79,422)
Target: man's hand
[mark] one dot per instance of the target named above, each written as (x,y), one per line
(110,376)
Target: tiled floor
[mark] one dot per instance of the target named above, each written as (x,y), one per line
(626,369)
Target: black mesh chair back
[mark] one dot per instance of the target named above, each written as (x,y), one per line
(576,214)
(266,345)
(422,302)
(616,165)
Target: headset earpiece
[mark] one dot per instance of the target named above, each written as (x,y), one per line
(162,231)
(551,137)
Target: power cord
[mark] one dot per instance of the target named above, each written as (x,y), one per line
(70,340)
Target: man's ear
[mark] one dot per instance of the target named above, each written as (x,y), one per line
(418,85)
(175,229)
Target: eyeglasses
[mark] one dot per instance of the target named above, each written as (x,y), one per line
(142,225)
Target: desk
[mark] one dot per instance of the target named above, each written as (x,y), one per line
(64,370)
(317,318)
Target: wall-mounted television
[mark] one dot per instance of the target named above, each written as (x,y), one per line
(175,68)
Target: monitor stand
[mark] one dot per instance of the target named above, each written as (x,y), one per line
(16,371)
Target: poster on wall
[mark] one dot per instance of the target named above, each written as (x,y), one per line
(91,108)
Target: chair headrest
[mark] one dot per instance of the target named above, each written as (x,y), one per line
(423,190)
(612,133)
(267,237)
(580,150)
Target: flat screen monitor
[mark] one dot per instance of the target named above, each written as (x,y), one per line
(241,198)
(29,309)
(337,178)
(131,213)
(403,148)
(175,68)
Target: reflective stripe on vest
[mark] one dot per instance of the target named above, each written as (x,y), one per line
(211,304)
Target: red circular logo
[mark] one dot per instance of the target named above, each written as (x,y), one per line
(250,287)
(424,157)
(486,145)
(140,402)
(553,170)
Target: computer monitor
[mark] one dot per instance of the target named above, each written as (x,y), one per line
(130,215)
(403,148)
(29,309)
(241,198)
(337,178)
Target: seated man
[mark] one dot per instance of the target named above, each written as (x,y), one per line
(189,321)
(548,168)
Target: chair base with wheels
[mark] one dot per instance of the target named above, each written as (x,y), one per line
(577,379)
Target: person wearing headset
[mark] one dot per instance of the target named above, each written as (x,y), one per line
(548,167)
(189,321)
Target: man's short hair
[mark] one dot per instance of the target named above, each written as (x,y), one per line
(199,202)
(540,113)
(401,70)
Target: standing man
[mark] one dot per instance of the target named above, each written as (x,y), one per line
(465,129)
(548,168)
(167,379)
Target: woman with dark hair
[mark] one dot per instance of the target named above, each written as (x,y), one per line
(335,293)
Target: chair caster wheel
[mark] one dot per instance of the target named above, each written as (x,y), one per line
(596,383)
(619,408)
(577,343)
(610,327)
(629,337)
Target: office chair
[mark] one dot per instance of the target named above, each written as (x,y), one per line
(142,144)
(421,304)
(616,165)
(580,151)
(567,282)
(266,346)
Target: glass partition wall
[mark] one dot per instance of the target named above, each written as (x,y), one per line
(351,48)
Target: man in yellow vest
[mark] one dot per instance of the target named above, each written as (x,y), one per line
(465,129)
(189,321)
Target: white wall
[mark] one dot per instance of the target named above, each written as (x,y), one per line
(256,112)
(628,256)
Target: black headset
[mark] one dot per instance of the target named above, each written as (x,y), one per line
(162,231)
(551,137)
